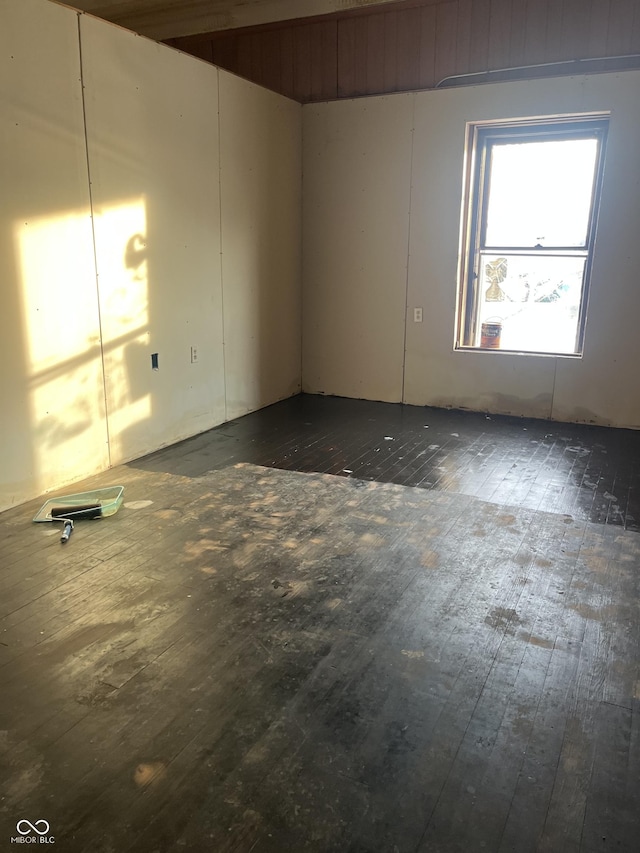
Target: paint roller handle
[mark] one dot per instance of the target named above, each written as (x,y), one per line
(66,533)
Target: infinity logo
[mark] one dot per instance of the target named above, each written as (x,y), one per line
(32,827)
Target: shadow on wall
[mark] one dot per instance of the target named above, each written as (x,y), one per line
(56,428)
(122,250)
(112,219)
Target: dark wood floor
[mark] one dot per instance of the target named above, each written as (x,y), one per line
(253,657)
(590,472)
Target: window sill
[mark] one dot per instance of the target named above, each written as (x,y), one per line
(502,351)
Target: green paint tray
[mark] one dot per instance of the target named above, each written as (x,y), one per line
(98,503)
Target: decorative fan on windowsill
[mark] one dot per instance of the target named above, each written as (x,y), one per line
(496,272)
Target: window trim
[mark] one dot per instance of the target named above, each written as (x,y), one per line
(480,138)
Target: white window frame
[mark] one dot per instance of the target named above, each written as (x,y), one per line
(480,137)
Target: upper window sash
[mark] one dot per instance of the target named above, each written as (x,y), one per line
(503,143)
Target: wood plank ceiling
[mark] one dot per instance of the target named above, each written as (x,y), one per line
(421,44)
(317,50)
(167,19)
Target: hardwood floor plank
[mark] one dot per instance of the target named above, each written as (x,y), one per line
(432,644)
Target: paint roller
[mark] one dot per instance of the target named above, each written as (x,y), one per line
(68,514)
(97,503)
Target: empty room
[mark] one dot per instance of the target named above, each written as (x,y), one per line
(320,426)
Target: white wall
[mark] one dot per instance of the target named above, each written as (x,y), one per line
(152,131)
(52,419)
(261,244)
(356,188)
(600,387)
(80,319)
(195,181)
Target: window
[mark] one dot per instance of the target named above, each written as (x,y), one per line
(533,190)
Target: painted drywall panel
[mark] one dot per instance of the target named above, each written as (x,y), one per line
(260,185)
(602,386)
(356,181)
(595,387)
(52,428)
(435,374)
(152,138)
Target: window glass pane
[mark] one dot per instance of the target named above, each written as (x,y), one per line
(540,193)
(533,302)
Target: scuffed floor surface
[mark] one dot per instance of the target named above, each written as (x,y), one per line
(259,660)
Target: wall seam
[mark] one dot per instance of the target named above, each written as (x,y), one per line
(93,240)
(302,244)
(406,289)
(224,342)
(553,389)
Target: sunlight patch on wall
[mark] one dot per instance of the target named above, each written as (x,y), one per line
(122,260)
(62,345)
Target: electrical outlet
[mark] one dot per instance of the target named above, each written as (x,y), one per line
(417,315)
(194,355)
